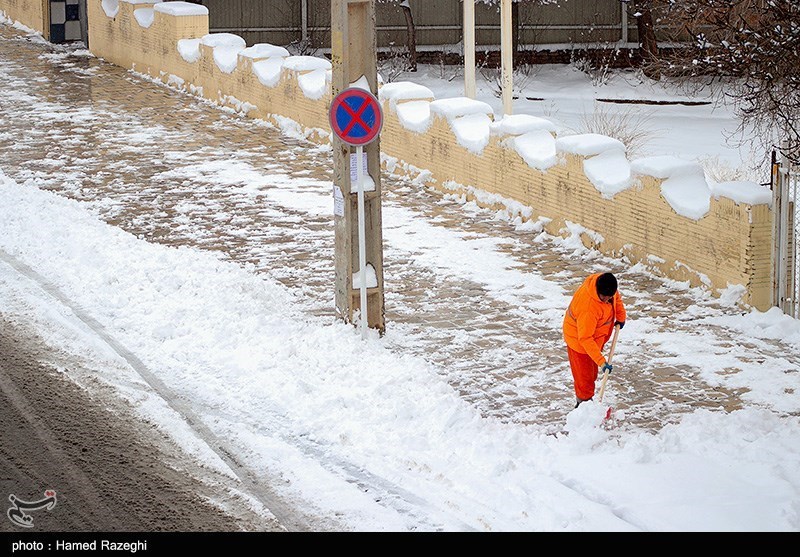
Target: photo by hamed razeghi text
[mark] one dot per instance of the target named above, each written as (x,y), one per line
(94,545)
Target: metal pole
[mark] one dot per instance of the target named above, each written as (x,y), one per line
(469,48)
(362,242)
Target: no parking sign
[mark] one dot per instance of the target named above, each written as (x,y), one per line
(356,116)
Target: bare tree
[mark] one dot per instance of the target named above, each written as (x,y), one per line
(754,47)
(411,31)
(648,45)
(411,36)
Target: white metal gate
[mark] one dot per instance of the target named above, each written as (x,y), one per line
(786,223)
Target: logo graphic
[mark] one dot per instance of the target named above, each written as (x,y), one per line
(16,513)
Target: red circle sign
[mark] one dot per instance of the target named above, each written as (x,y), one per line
(356,117)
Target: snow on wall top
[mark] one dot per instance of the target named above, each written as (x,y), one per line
(227,57)
(588,144)
(189,49)
(144,16)
(314,83)
(180,8)
(459,106)
(472,131)
(537,148)
(264,50)
(110,7)
(609,172)
(688,194)
(404,91)
(743,192)
(306,63)
(223,39)
(662,166)
(414,115)
(141,1)
(684,184)
(268,71)
(518,124)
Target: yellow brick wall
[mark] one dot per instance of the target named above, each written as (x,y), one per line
(30,13)
(729,245)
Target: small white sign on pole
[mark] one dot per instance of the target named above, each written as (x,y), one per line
(353,169)
(338,201)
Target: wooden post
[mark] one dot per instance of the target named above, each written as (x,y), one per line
(507,56)
(469,48)
(354,61)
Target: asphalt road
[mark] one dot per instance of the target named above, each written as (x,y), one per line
(110,472)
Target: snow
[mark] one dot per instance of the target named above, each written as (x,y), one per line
(180,8)
(688,193)
(662,166)
(415,115)
(403,91)
(588,144)
(371,277)
(362,83)
(268,71)
(264,50)
(144,16)
(227,57)
(456,107)
(743,191)
(304,398)
(537,148)
(227,338)
(472,131)
(609,172)
(519,124)
(314,84)
(226,48)
(225,40)
(306,63)
(110,7)
(189,49)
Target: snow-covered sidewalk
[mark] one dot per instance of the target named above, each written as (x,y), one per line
(195,256)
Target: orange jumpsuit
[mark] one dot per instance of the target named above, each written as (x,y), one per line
(588,324)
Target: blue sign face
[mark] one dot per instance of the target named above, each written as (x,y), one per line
(356,116)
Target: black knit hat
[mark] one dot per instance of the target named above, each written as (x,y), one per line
(606,284)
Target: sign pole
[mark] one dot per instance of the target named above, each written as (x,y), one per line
(362,243)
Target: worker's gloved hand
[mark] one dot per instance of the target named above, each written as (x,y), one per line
(620,323)
(606,368)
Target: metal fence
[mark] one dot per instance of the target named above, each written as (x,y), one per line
(786,248)
(438,23)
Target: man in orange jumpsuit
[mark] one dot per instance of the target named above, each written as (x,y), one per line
(588,323)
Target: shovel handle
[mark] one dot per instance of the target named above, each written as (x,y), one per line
(610,355)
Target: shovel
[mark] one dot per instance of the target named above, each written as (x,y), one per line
(605,373)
